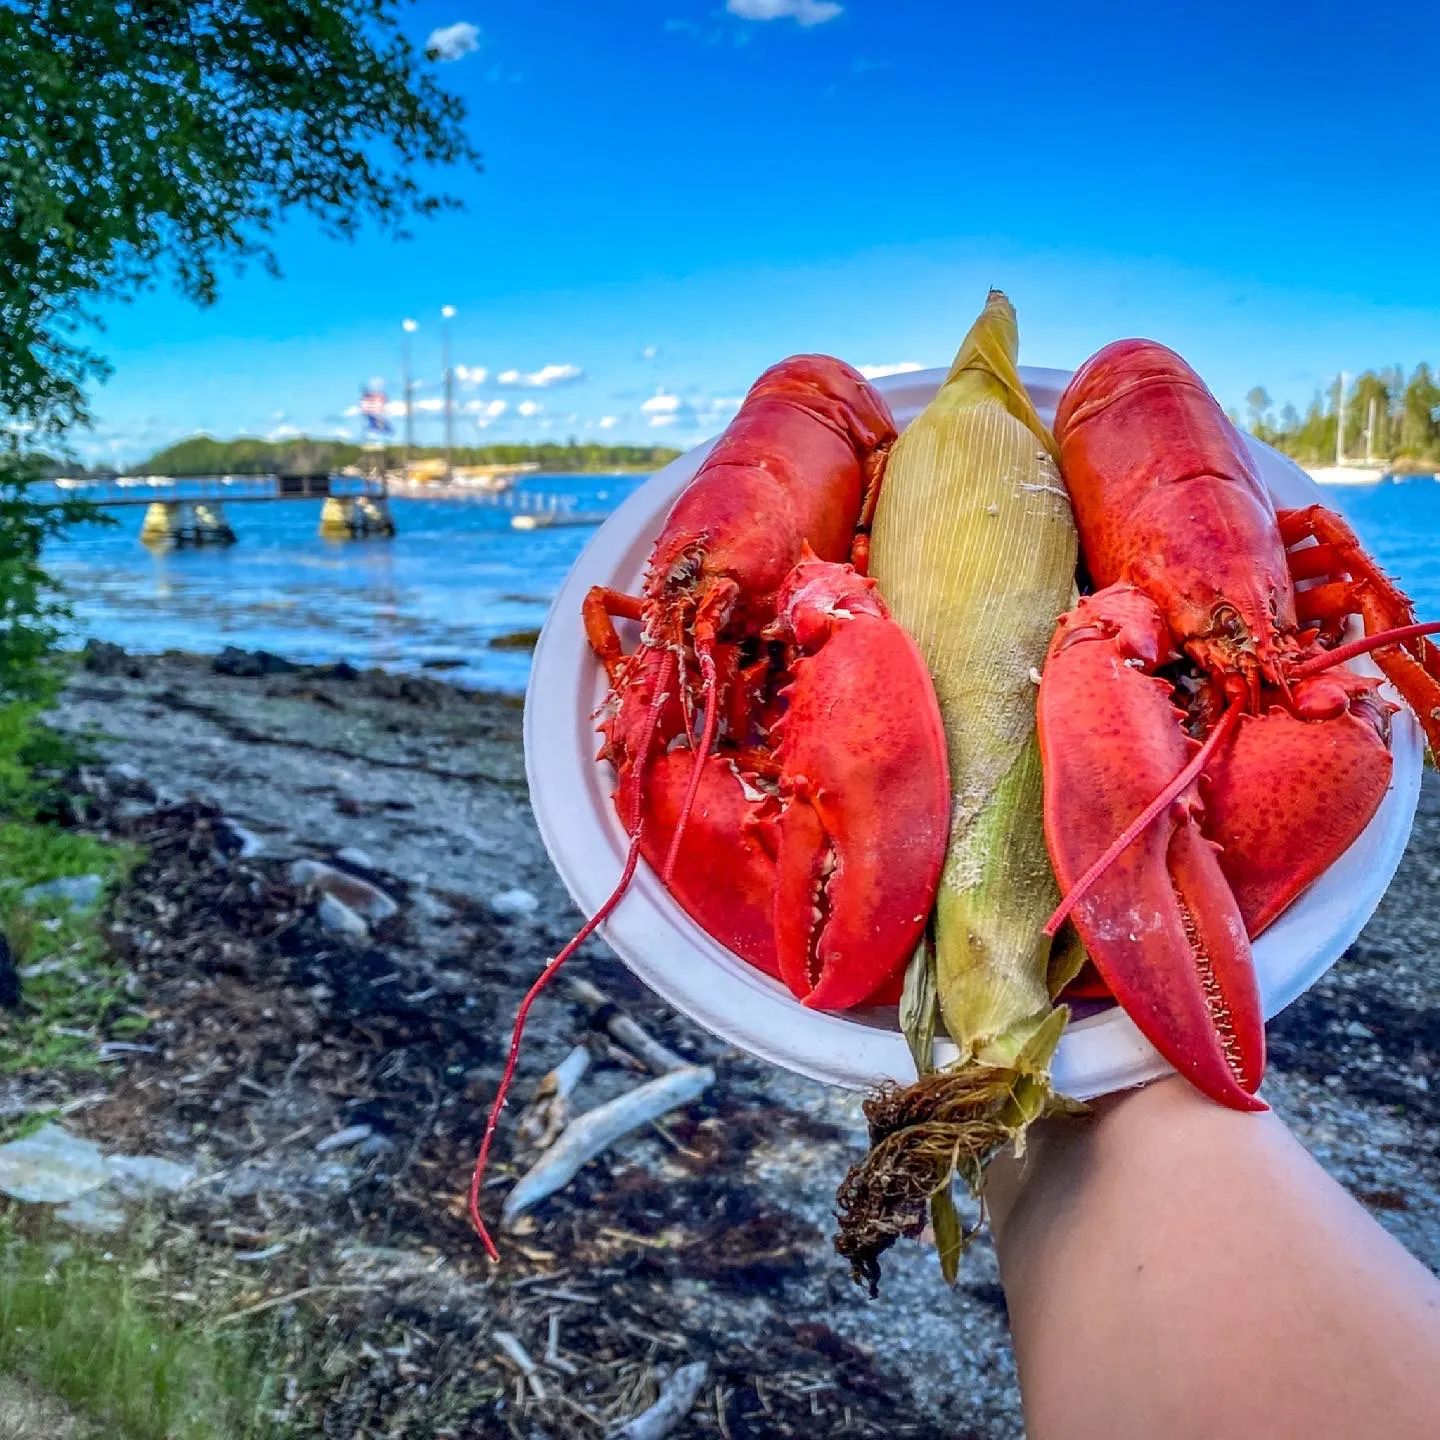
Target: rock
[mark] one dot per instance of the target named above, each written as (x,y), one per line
(442,663)
(51,1167)
(340,670)
(78,891)
(100,657)
(139,1177)
(236,840)
(515,640)
(9,976)
(1356,1031)
(98,1213)
(339,919)
(130,780)
(250,663)
(513,903)
(356,858)
(343,1139)
(368,901)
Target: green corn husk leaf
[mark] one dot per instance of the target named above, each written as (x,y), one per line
(974,548)
(919,1011)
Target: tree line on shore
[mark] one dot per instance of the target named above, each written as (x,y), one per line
(1386,415)
(204,455)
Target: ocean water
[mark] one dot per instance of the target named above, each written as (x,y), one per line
(457,576)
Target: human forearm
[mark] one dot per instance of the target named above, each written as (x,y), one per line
(1176,1269)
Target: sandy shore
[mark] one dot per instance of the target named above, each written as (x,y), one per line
(707,1238)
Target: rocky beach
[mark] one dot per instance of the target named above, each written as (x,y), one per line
(339,900)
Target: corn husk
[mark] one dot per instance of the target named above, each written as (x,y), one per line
(974,548)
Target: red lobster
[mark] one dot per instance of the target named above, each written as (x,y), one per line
(1197,632)
(778,747)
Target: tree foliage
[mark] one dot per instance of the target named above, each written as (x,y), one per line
(1394,420)
(202,455)
(151,140)
(141,139)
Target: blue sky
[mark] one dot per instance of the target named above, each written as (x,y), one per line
(679,192)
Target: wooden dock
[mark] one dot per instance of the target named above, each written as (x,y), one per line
(190,510)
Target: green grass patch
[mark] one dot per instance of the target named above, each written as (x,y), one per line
(73,995)
(77,1326)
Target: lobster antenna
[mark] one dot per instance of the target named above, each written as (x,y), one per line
(707,739)
(1363,646)
(1145,818)
(632,859)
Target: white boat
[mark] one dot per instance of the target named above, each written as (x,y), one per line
(1345,474)
(1348,472)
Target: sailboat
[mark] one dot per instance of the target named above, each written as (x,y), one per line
(1343,471)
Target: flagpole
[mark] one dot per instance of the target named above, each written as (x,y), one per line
(409,327)
(447,314)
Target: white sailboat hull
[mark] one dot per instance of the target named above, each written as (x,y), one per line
(1345,475)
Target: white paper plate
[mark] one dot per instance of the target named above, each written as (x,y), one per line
(570,794)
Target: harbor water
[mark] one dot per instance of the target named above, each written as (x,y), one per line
(457,578)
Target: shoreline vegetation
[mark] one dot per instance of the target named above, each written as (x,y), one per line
(1390,421)
(247,455)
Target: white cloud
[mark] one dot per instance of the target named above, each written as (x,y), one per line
(649,352)
(659,420)
(724,404)
(802,12)
(661,404)
(431,405)
(490,409)
(527,408)
(609,422)
(545,376)
(343,432)
(471,374)
(453,42)
(879,372)
(284,432)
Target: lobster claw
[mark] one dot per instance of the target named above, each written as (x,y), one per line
(724,878)
(864,790)
(1162,924)
(1292,791)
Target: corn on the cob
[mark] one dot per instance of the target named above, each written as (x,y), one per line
(974,548)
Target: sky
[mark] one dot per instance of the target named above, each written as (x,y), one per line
(677,193)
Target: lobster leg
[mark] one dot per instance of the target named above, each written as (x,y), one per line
(602,606)
(1162,925)
(1413,667)
(865,794)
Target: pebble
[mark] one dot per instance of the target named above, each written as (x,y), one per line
(246,842)
(356,858)
(368,901)
(339,919)
(79,891)
(514,902)
(1356,1031)
(343,1139)
(51,1167)
(139,1177)
(98,1213)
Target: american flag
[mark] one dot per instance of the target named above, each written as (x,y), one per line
(372,407)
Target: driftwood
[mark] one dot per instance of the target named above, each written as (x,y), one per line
(677,1398)
(606,1015)
(549,1111)
(600,1128)
(519,1356)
